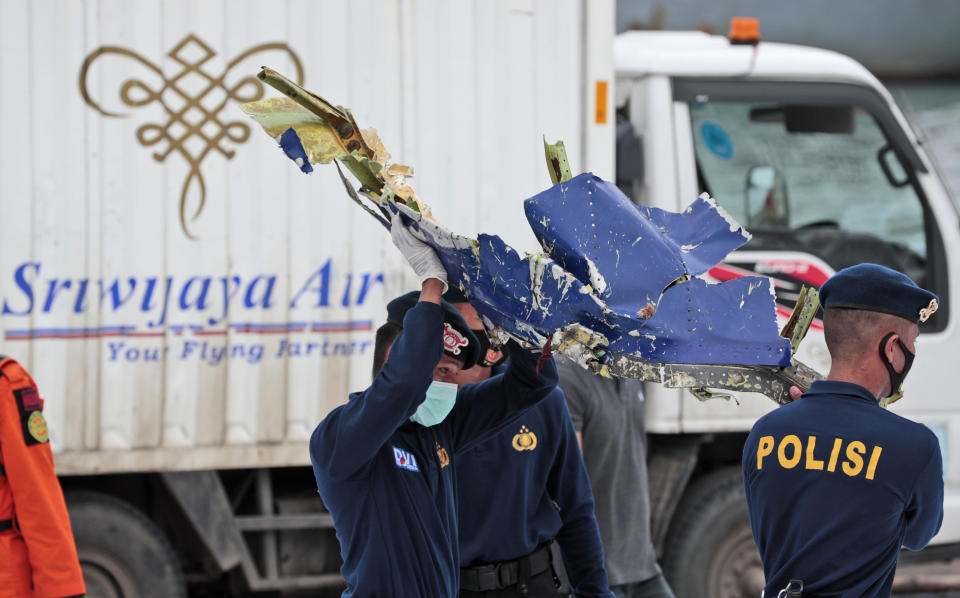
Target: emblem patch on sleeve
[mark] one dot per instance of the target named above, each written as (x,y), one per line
(37,426)
(32,421)
(29,398)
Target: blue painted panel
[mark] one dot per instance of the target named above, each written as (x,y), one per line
(293,148)
(638,259)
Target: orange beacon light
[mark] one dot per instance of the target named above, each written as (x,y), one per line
(744,30)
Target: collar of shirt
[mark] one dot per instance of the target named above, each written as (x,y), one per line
(837,388)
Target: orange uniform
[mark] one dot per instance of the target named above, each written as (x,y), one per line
(38,557)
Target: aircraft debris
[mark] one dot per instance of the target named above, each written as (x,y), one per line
(616,287)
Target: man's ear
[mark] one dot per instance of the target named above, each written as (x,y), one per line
(894,353)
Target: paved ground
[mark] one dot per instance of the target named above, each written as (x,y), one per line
(913,581)
(928,581)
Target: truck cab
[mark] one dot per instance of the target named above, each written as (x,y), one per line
(808,151)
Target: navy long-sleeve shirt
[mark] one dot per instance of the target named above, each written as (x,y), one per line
(389,483)
(835,486)
(525,485)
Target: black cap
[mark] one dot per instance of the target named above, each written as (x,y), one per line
(877,288)
(459,341)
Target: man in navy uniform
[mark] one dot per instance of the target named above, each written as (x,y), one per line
(384,461)
(835,483)
(519,490)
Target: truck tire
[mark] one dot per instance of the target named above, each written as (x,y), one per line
(122,553)
(710,550)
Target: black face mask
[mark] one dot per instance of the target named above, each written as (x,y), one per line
(488,357)
(896,380)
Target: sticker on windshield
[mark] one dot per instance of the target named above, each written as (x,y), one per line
(716,140)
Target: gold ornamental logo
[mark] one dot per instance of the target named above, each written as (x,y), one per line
(525,440)
(928,311)
(443,455)
(193,100)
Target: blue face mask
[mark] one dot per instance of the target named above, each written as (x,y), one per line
(440,399)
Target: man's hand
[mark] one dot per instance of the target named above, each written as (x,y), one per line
(421,257)
(795,393)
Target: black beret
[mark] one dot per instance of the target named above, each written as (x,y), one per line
(459,341)
(877,288)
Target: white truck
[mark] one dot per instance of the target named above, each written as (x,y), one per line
(810,153)
(192,306)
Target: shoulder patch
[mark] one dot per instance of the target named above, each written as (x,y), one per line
(29,398)
(30,406)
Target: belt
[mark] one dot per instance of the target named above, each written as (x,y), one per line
(497,576)
(6,524)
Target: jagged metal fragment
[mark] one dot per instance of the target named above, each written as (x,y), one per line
(557,163)
(692,321)
(805,310)
(340,120)
(616,287)
(639,263)
(277,115)
(326,132)
(774,382)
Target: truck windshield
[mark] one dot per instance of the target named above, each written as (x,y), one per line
(821,180)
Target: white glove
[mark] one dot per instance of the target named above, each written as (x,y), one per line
(421,257)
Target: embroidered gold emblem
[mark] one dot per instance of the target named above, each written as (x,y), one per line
(929,310)
(443,455)
(525,440)
(193,100)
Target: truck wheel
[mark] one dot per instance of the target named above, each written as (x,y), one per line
(710,550)
(122,553)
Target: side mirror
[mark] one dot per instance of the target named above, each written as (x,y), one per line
(765,198)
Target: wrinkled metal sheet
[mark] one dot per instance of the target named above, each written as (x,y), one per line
(612,275)
(631,256)
(607,268)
